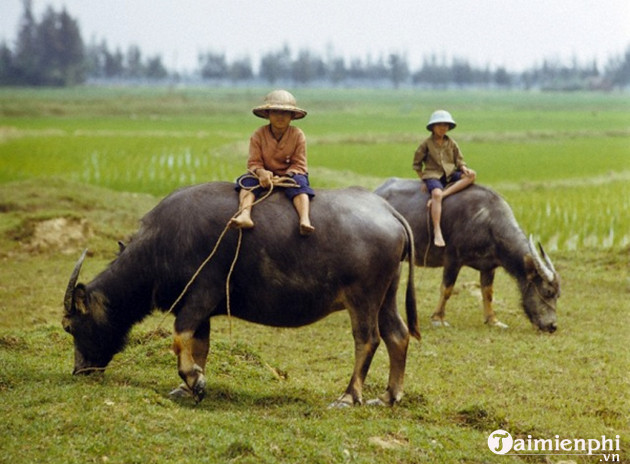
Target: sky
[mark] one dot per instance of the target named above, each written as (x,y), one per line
(515,34)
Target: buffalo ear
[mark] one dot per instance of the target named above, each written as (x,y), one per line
(66,323)
(80,299)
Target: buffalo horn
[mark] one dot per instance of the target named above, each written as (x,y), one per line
(67,300)
(541,267)
(547,259)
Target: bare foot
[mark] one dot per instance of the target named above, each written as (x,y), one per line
(438,241)
(306,229)
(241,222)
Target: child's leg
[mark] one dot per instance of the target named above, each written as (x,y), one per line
(461,184)
(302,205)
(243,220)
(436,215)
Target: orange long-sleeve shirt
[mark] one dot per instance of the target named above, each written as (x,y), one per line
(286,156)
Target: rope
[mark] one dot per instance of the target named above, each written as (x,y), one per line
(227,280)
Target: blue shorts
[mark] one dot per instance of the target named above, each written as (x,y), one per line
(249,182)
(442,182)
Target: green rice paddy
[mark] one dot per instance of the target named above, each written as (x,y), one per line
(561,160)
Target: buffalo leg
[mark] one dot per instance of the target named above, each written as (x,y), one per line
(201,344)
(486,279)
(449,277)
(191,348)
(366,341)
(396,336)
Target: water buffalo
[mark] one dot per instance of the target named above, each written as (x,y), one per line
(281,279)
(480,232)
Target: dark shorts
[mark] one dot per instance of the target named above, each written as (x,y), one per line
(442,182)
(251,183)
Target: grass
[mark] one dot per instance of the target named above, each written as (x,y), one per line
(100,158)
(264,405)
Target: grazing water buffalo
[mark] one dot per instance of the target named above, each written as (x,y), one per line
(280,279)
(480,232)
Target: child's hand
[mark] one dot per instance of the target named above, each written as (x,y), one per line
(264,177)
(466,171)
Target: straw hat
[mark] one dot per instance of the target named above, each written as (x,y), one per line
(441,116)
(279,100)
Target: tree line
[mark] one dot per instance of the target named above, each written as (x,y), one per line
(51,52)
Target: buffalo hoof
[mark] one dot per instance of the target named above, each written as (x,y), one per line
(440,323)
(376,402)
(386,399)
(339,405)
(199,390)
(181,392)
(498,324)
(344,401)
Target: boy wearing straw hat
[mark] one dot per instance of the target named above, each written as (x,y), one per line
(440,164)
(276,150)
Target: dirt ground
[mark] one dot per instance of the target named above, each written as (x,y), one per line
(63,235)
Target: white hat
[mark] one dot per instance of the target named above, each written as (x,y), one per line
(279,100)
(441,116)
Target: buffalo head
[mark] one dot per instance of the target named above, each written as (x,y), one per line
(85,318)
(542,288)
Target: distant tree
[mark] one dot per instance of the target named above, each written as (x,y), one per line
(307,67)
(49,47)
(433,73)
(134,66)
(527,79)
(95,59)
(461,72)
(356,69)
(51,52)
(26,53)
(72,54)
(337,70)
(114,65)
(377,70)
(269,68)
(399,69)
(7,71)
(213,65)
(154,69)
(100,63)
(618,69)
(502,78)
(482,77)
(241,70)
(275,66)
